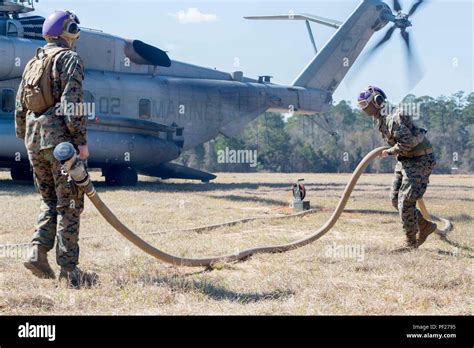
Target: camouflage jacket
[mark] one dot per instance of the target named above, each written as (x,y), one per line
(55,126)
(399,131)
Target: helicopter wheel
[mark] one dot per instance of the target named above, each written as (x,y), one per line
(121,176)
(22,173)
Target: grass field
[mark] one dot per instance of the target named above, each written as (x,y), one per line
(351,270)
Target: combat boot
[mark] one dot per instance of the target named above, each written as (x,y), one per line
(76,278)
(37,262)
(411,244)
(426,228)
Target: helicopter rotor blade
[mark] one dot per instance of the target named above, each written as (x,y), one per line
(386,37)
(367,56)
(396,6)
(406,38)
(414,7)
(414,71)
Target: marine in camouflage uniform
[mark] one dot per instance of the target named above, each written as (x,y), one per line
(61,201)
(415,162)
(60,205)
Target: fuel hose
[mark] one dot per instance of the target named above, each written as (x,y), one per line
(79,174)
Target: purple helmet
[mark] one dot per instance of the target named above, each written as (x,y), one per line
(61,23)
(374,95)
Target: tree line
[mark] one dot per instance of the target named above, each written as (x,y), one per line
(335,142)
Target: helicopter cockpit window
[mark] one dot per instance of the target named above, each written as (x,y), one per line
(8,101)
(144,109)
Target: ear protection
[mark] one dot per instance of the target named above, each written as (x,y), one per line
(372,95)
(379,101)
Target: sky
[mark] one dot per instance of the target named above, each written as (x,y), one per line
(215,34)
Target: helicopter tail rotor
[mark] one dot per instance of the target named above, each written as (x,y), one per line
(402,21)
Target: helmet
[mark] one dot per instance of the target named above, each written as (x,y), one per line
(372,95)
(61,24)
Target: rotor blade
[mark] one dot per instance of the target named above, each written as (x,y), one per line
(311,37)
(414,72)
(414,7)
(361,62)
(406,38)
(300,16)
(387,37)
(396,6)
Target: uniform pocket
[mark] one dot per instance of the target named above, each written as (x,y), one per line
(414,189)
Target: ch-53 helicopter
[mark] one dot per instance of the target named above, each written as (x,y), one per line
(148,108)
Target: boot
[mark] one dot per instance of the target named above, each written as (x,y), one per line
(37,263)
(426,228)
(75,278)
(411,244)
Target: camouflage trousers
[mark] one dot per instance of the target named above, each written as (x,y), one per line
(60,210)
(409,185)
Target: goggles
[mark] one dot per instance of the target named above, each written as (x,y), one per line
(72,26)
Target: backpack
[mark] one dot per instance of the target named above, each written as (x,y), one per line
(37,94)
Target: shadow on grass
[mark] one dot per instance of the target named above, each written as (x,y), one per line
(370,212)
(456,244)
(215,291)
(16,188)
(158,185)
(9,185)
(238,198)
(461,218)
(453,254)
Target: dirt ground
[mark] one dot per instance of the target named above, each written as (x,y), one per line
(351,270)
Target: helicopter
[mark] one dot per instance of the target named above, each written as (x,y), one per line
(147,109)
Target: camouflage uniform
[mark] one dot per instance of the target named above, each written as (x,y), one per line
(61,204)
(411,172)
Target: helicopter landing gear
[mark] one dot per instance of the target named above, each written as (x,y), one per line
(22,173)
(120,176)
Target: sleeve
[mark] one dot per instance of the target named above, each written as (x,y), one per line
(20,113)
(405,140)
(72,76)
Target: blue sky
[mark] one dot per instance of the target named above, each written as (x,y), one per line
(214,34)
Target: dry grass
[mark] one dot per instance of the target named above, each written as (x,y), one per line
(437,279)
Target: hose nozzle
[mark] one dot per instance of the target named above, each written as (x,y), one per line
(67,155)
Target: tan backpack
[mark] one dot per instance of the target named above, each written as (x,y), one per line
(37,94)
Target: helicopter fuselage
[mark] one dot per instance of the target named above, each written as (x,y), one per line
(145,109)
